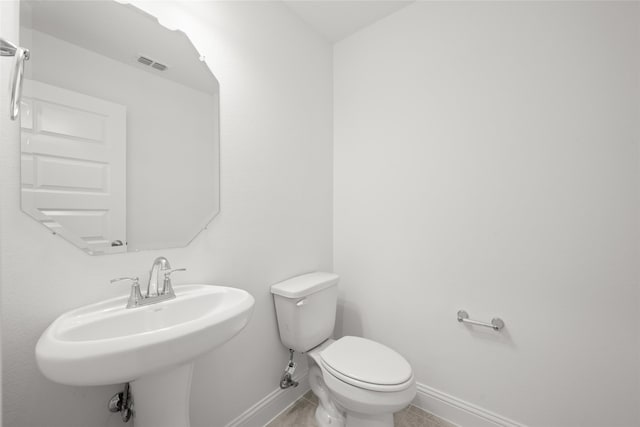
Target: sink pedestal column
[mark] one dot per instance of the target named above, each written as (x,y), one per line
(162,399)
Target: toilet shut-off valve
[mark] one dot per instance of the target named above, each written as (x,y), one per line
(286,380)
(122,402)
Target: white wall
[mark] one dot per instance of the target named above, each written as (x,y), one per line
(487,159)
(275,221)
(163,160)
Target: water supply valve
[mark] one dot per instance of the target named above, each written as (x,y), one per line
(286,380)
(123,403)
(290,369)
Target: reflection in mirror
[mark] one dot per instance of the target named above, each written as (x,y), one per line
(120,132)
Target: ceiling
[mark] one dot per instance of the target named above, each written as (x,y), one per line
(122,33)
(337,19)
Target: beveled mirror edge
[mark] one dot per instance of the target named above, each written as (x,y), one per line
(205,224)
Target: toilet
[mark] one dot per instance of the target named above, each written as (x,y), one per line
(358,382)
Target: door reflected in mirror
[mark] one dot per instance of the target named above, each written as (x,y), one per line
(119,128)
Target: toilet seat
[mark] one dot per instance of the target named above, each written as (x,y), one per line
(367,365)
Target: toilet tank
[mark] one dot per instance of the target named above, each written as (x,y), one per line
(306,309)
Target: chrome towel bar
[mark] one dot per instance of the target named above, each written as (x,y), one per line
(9,49)
(496,323)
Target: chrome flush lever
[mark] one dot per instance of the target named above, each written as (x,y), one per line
(9,49)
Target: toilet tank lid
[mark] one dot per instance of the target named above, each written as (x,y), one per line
(307,284)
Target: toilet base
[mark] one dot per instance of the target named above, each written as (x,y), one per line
(327,414)
(355,419)
(324,419)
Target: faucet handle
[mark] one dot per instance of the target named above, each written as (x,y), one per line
(122,279)
(170,271)
(166,284)
(135,297)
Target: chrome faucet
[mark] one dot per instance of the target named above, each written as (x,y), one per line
(161,266)
(160,269)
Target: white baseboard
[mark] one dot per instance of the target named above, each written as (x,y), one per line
(458,411)
(445,406)
(272,405)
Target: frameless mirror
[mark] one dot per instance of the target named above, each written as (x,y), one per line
(119,128)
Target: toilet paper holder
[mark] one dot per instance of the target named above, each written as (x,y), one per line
(496,323)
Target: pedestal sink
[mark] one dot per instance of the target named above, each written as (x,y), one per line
(151,347)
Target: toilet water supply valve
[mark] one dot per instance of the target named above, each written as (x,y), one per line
(123,403)
(286,380)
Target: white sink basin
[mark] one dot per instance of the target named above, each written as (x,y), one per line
(105,343)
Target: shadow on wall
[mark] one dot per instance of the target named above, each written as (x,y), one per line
(348,320)
(486,334)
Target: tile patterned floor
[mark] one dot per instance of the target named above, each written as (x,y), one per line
(301,414)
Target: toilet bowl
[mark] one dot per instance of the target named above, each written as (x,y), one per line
(364,382)
(358,382)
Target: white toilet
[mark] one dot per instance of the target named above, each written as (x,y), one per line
(358,382)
